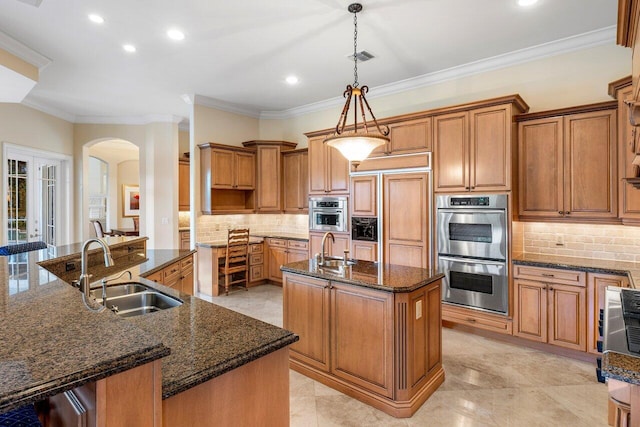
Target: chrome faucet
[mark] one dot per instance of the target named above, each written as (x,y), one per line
(84,276)
(106,280)
(324,242)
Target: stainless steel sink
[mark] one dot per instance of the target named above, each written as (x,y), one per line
(134,299)
(141,303)
(336,263)
(119,289)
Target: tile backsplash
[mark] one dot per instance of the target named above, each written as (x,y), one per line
(214,227)
(579,240)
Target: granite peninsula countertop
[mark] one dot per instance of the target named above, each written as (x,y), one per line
(375,275)
(255,238)
(629,268)
(52,343)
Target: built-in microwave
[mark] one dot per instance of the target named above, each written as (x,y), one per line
(364,229)
(328,214)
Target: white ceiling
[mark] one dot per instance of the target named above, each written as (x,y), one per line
(240,52)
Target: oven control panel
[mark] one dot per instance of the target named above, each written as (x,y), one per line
(469,201)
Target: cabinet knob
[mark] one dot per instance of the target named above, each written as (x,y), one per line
(466,188)
(550,288)
(567,212)
(560,212)
(473,187)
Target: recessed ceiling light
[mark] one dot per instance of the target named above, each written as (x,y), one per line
(175,34)
(129,48)
(96,18)
(527,2)
(292,80)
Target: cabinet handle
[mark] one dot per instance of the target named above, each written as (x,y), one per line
(560,212)
(550,288)
(473,187)
(567,212)
(470,320)
(466,188)
(548,275)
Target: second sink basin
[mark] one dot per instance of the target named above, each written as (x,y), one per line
(119,289)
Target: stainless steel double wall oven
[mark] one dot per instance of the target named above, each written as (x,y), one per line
(472,250)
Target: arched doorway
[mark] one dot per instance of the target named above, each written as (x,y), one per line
(113,167)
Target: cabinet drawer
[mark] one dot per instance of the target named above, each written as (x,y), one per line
(551,275)
(256,248)
(171,273)
(476,319)
(186,264)
(157,277)
(298,244)
(281,243)
(256,272)
(255,259)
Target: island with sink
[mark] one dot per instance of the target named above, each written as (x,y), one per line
(145,362)
(370,330)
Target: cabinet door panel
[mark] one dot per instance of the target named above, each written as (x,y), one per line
(567,319)
(364,196)
(276,257)
(296,255)
(451,145)
(306,313)
(184,202)
(337,172)
(245,171)
(412,136)
(541,167)
(366,251)
(530,310)
(363,356)
(590,164)
(490,151)
(269,179)
(317,166)
(291,181)
(406,208)
(223,169)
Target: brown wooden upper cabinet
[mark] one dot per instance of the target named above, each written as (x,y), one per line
(473,148)
(568,164)
(411,136)
(364,196)
(269,173)
(184,203)
(628,146)
(328,169)
(227,176)
(295,166)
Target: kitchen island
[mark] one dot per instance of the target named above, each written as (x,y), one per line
(207,364)
(370,330)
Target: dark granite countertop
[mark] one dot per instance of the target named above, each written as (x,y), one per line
(255,238)
(52,343)
(629,268)
(385,277)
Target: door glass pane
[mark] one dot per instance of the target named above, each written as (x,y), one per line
(47,193)
(17,202)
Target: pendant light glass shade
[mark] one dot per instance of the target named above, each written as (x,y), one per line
(356,144)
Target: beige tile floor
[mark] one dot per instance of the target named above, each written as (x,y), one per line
(488,383)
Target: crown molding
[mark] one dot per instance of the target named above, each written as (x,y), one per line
(602,36)
(129,120)
(229,107)
(23,52)
(49,110)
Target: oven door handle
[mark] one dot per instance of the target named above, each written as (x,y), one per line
(472,211)
(472,261)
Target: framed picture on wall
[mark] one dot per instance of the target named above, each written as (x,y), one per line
(130,200)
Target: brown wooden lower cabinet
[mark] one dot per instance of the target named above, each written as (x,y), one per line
(366,251)
(178,275)
(393,364)
(283,251)
(336,248)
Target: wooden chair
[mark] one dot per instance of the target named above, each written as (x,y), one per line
(100,233)
(236,264)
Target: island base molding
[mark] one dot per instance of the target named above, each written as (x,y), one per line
(395,408)
(254,394)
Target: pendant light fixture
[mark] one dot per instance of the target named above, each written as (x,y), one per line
(358,143)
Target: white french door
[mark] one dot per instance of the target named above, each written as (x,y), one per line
(35,188)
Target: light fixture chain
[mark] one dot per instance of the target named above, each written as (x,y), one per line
(355,49)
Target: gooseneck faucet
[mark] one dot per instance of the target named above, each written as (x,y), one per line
(324,242)
(84,276)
